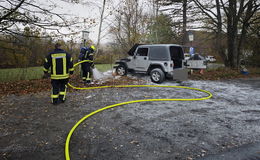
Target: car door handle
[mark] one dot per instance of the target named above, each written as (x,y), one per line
(145,58)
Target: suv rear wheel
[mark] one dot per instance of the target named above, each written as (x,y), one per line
(121,70)
(157,75)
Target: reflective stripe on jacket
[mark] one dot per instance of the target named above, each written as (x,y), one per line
(86,54)
(60,64)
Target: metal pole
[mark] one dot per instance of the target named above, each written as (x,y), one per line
(84,43)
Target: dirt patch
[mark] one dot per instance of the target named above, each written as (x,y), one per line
(40,85)
(224,74)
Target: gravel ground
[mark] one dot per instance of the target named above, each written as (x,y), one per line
(219,128)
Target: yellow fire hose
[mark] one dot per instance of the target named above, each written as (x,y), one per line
(67,155)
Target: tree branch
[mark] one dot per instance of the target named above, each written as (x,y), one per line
(203,9)
(12,11)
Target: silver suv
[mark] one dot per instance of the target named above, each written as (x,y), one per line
(157,60)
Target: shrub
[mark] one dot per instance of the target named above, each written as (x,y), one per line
(107,58)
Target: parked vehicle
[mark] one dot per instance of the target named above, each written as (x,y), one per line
(211,59)
(187,56)
(158,61)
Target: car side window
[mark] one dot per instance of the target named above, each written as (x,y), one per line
(158,53)
(142,52)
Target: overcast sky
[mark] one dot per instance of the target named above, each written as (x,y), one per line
(87,10)
(91,10)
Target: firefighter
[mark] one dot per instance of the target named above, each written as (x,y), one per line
(86,53)
(61,67)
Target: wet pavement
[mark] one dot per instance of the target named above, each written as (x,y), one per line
(182,130)
(227,124)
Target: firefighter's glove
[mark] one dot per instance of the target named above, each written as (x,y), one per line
(93,66)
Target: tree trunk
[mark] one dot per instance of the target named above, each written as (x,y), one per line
(100,25)
(241,41)
(232,49)
(232,31)
(219,36)
(245,25)
(220,48)
(184,23)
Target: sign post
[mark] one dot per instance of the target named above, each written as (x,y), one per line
(85,36)
(191,38)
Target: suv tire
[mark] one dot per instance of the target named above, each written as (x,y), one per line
(157,75)
(121,70)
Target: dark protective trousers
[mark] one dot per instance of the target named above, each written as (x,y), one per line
(86,71)
(59,89)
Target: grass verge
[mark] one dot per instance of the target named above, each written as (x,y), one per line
(16,74)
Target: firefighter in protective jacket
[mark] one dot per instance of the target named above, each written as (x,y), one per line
(86,54)
(60,64)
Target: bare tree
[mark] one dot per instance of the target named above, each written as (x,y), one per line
(101,22)
(239,13)
(17,14)
(130,25)
(232,14)
(178,7)
(214,21)
(106,9)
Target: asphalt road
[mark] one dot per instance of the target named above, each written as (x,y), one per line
(228,124)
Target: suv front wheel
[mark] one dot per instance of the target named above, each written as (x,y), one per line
(121,70)
(157,75)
